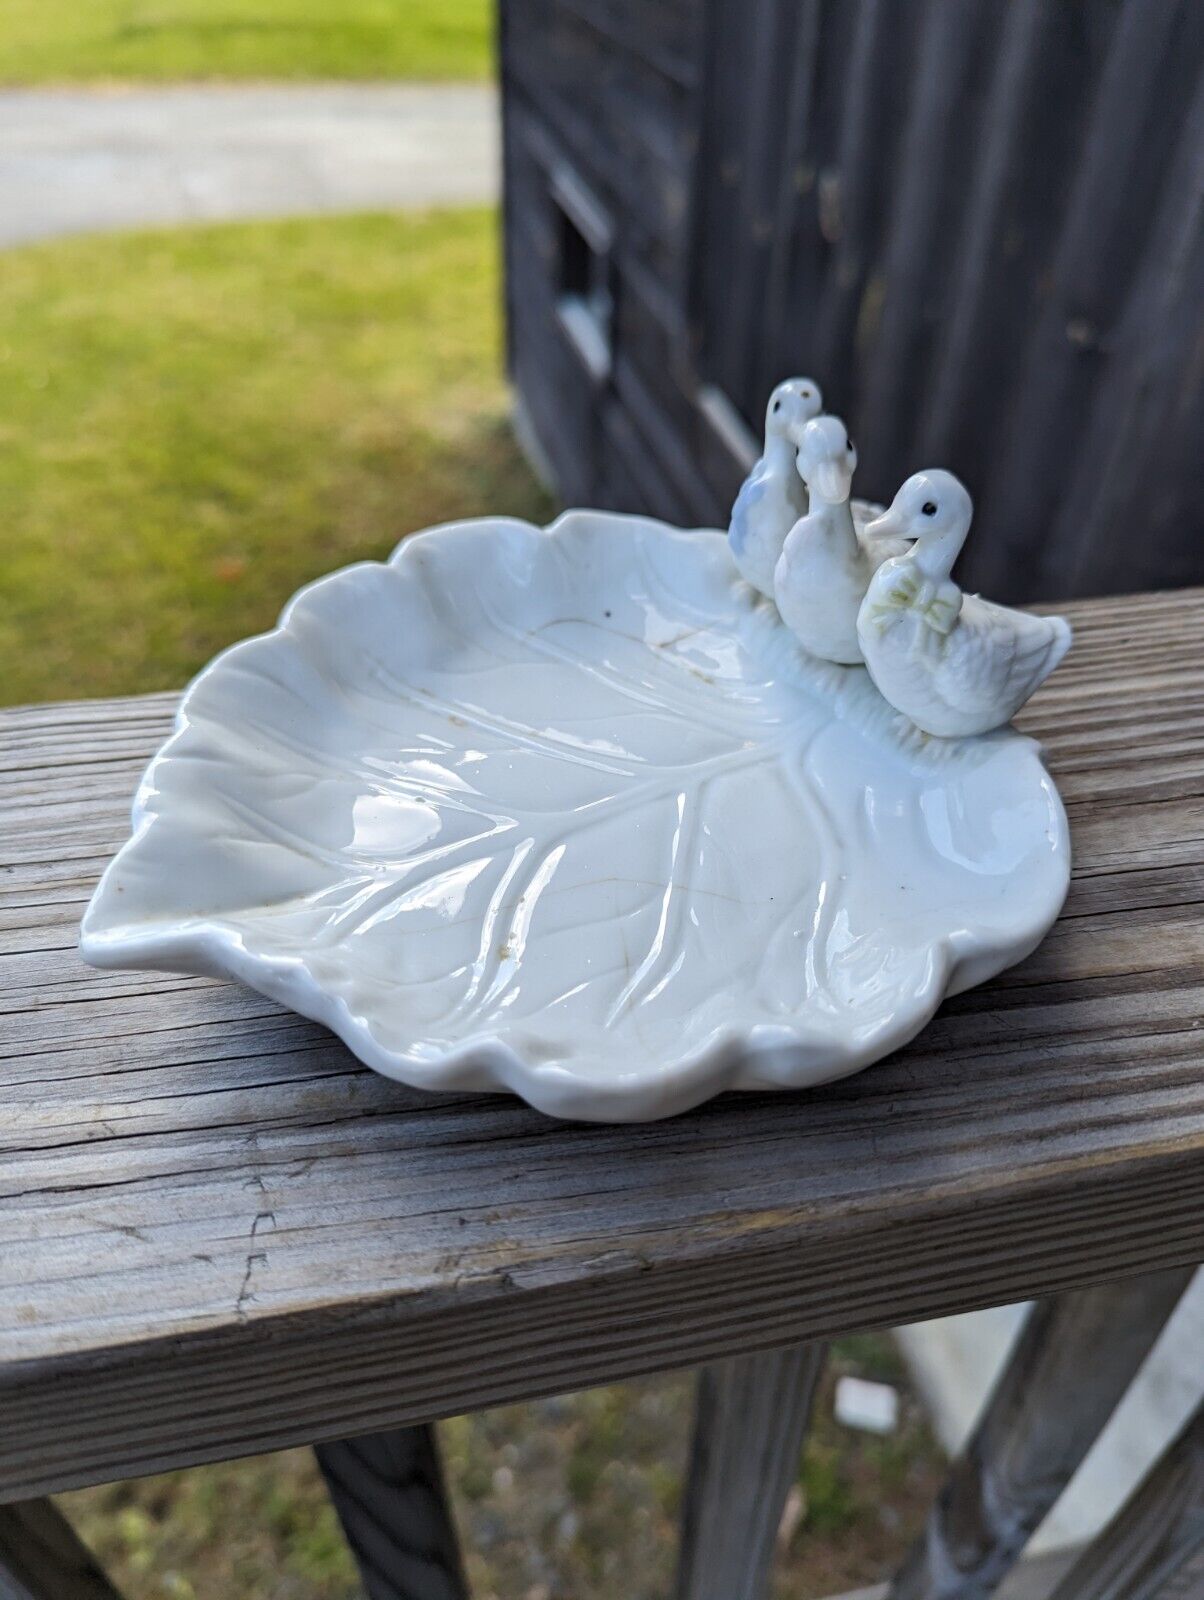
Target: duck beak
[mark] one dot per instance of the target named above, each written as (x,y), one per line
(833,481)
(890,525)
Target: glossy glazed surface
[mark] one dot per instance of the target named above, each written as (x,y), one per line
(954,664)
(568,811)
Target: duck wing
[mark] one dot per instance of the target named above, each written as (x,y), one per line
(753,489)
(998,657)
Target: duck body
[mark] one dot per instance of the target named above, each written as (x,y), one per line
(967,681)
(825,566)
(773,496)
(820,582)
(956,665)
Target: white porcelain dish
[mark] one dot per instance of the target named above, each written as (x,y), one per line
(568,812)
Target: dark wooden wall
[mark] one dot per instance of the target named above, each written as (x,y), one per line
(600,119)
(978,223)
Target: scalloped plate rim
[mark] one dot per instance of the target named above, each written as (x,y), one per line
(756,1059)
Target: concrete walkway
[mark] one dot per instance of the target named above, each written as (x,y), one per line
(74,161)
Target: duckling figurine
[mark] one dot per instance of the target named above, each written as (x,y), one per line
(772,497)
(825,566)
(955,664)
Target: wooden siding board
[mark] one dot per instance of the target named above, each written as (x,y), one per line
(811,246)
(1052,120)
(787,174)
(1156,51)
(625,127)
(955,47)
(856,187)
(1029,37)
(663,443)
(639,487)
(659,36)
(949,215)
(721,340)
(1156,354)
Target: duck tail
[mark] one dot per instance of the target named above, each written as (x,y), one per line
(1061,639)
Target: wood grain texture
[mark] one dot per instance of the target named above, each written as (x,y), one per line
(42,1559)
(1153,1549)
(1074,1360)
(388,1491)
(751,1415)
(219,1234)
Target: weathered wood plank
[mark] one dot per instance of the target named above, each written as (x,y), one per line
(1073,1362)
(42,1559)
(388,1491)
(751,1415)
(220,1234)
(1153,1549)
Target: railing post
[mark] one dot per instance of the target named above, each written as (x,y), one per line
(42,1558)
(1153,1549)
(1073,1362)
(388,1491)
(750,1418)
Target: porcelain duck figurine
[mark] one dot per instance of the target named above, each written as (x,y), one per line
(772,497)
(825,566)
(955,664)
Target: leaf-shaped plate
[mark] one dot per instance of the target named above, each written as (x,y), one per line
(567,811)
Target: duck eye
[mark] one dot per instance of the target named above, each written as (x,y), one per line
(777,405)
(848,444)
(929,508)
(806,393)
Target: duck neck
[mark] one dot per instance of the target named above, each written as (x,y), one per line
(935,553)
(779,453)
(834,516)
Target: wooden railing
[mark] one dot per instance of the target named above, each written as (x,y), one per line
(1070,1367)
(219,1235)
(1072,1364)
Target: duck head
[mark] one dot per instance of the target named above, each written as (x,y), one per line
(791,406)
(933,509)
(827,459)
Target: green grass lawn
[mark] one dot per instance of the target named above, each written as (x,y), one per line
(195,422)
(86,40)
